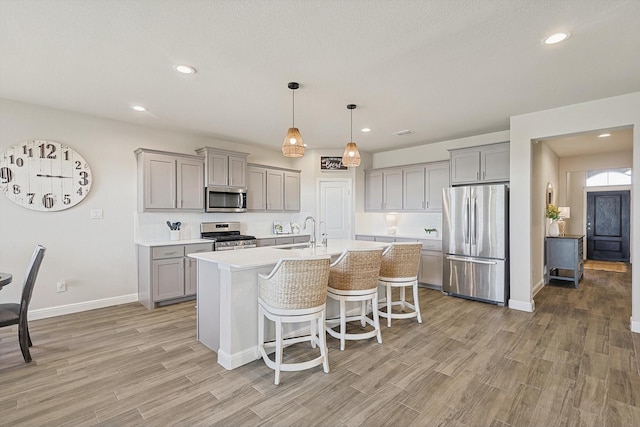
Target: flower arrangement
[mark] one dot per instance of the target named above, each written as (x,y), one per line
(430,230)
(553,212)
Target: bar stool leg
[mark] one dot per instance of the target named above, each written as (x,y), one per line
(388,305)
(376,316)
(323,342)
(278,350)
(416,302)
(343,323)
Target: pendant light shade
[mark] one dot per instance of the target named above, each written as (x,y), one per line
(293,145)
(351,156)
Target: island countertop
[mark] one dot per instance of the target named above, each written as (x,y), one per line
(246,259)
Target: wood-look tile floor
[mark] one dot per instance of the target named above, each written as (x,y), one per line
(572,362)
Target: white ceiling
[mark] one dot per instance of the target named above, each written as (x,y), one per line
(442,68)
(591,143)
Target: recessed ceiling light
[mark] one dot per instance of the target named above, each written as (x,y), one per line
(556,38)
(604,135)
(365,130)
(185,69)
(139,108)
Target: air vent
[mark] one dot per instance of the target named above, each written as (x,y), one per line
(404,132)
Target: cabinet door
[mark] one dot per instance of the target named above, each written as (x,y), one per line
(430,268)
(465,166)
(284,241)
(191,276)
(190,184)
(413,191)
(237,171)
(217,169)
(437,177)
(393,190)
(256,189)
(168,278)
(291,191)
(495,163)
(159,183)
(275,193)
(373,190)
(367,238)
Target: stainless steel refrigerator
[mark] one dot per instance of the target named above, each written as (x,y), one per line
(475,223)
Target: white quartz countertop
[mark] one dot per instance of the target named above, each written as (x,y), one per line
(275,236)
(152,243)
(245,259)
(423,236)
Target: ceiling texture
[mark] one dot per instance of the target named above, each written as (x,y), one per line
(443,69)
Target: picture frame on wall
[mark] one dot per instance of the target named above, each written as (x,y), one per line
(332,163)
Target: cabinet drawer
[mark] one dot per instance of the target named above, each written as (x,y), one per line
(265,242)
(384,239)
(200,247)
(300,239)
(284,241)
(363,237)
(161,252)
(432,245)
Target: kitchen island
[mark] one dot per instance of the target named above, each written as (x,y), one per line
(227,315)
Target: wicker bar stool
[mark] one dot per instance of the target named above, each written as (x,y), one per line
(354,277)
(295,291)
(399,269)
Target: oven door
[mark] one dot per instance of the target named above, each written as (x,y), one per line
(223,199)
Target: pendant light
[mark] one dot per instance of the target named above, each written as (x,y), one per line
(293,146)
(351,156)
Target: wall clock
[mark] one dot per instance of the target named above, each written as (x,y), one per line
(44,175)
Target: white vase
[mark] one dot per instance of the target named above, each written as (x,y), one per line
(554,229)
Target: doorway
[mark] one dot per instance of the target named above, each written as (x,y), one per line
(608,225)
(335,208)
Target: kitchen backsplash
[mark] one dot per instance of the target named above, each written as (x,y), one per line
(405,223)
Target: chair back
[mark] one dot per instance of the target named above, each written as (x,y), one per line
(30,279)
(356,269)
(296,283)
(401,260)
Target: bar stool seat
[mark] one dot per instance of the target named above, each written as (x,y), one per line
(294,292)
(399,269)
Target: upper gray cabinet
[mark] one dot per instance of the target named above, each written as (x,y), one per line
(486,163)
(169,181)
(408,188)
(272,189)
(224,168)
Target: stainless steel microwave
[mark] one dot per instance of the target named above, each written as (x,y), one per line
(225,199)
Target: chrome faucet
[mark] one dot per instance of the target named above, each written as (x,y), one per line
(323,234)
(312,239)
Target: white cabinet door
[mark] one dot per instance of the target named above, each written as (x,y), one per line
(275,187)
(159,180)
(494,162)
(217,168)
(373,190)
(256,188)
(393,190)
(190,194)
(238,171)
(168,278)
(437,177)
(430,268)
(291,191)
(413,191)
(465,166)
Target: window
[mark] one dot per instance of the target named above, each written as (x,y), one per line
(609,177)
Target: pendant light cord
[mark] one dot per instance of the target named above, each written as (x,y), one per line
(351,126)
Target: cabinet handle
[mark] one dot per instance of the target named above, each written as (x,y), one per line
(171,253)
(427,205)
(478,175)
(484,174)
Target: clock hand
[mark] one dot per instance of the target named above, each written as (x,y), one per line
(52,176)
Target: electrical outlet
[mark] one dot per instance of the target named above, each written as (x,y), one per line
(96,213)
(62,286)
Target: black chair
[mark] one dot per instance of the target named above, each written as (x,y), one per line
(16,314)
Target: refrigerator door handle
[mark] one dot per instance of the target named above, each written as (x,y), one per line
(473,225)
(473,261)
(465,231)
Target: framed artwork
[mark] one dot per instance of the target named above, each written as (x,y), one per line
(332,163)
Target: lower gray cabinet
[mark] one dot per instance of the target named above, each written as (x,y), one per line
(166,273)
(277,241)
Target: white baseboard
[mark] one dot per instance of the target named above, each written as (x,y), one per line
(522,305)
(538,287)
(61,310)
(235,360)
(635,326)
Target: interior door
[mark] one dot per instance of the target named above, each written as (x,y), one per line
(608,225)
(335,209)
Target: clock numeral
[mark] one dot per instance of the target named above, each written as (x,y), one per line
(18,162)
(6,175)
(78,165)
(84,178)
(66,199)
(79,192)
(50,147)
(16,189)
(28,151)
(48,200)
(31,196)
(66,155)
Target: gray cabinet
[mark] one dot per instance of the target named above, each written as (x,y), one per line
(272,189)
(169,181)
(224,168)
(414,188)
(483,164)
(563,256)
(284,240)
(165,273)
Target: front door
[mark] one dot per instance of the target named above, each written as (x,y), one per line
(335,209)
(608,225)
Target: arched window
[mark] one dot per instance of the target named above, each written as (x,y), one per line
(609,177)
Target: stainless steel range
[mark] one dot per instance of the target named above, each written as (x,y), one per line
(226,236)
